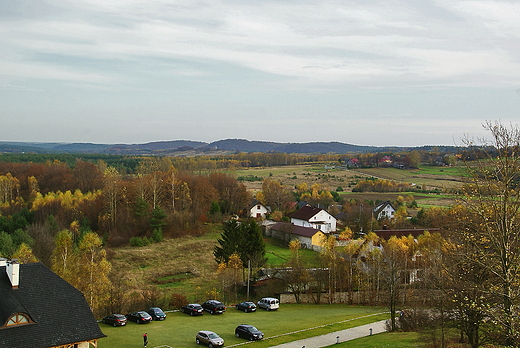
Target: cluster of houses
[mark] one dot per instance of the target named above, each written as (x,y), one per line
(309,225)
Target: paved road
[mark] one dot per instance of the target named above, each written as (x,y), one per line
(331,338)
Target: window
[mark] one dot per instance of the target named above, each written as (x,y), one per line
(18,319)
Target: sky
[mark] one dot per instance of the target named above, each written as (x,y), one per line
(381,73)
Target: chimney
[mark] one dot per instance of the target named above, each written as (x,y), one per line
(13,271)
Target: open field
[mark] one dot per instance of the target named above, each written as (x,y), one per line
(184,265)
(441,178)
(179,329)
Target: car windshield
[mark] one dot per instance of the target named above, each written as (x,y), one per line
(213,335)
(253,329)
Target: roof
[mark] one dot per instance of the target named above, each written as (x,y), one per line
(60,312)
(294,229)
(415,232)
(305,213)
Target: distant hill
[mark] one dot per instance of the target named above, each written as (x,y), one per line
(192,148)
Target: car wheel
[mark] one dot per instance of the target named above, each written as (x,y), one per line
(250,338)
(198,341)
(237,334)
(191,313)
(210,345)
(246,310)
(115,324)
(212,312)
(267,309)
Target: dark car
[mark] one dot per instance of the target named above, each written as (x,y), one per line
(115,320)
(210,338)
(214,306)
(140,317)
(192,309)
(246,306)
(156,313)
(249,331)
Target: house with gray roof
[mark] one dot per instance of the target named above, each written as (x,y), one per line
(39,309)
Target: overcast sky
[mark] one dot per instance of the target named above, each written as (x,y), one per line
(405,73)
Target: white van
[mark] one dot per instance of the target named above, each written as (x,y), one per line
(269,303)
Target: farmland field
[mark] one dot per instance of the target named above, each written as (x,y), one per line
(179,329)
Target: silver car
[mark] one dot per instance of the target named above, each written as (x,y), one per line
(210,338)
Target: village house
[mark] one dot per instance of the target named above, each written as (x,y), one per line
(39,309)
(317,218)
(257,210)
(384,210)
(309,238)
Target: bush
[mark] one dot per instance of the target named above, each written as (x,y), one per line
(177,301)
(139,242)
(157,235)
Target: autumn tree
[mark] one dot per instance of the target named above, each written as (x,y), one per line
(111,192)
(64,258)
(93,269)
(296,276)
(492,197)
(24,254)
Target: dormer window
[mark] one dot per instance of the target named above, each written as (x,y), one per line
(19,319)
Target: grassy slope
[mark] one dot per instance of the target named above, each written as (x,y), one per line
(188,260)
(179,329)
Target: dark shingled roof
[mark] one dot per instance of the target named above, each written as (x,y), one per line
(305,213)
(386,234)
(60,312)
(294,229)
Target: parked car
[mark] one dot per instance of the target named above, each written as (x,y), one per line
(115,320)
(246,306)
(140,317)
(192,309)
(210,338)
(214,306)
(269,303)
(156,313)
(249,332)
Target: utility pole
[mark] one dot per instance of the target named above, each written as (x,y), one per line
(248,273)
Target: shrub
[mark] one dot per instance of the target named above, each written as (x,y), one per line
(178,300)
(139,242)
(157,235)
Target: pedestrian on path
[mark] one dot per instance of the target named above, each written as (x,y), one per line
(145,339)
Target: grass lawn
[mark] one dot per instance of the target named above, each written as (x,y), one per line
(279,254)
(179,329)
(387,339)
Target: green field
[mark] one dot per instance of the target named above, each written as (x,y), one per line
(387,339)
(179,329)
(279,254)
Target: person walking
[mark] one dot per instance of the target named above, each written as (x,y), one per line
(145,339)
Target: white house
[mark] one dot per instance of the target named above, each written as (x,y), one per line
(384,210)
(313,217)
(258,210)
